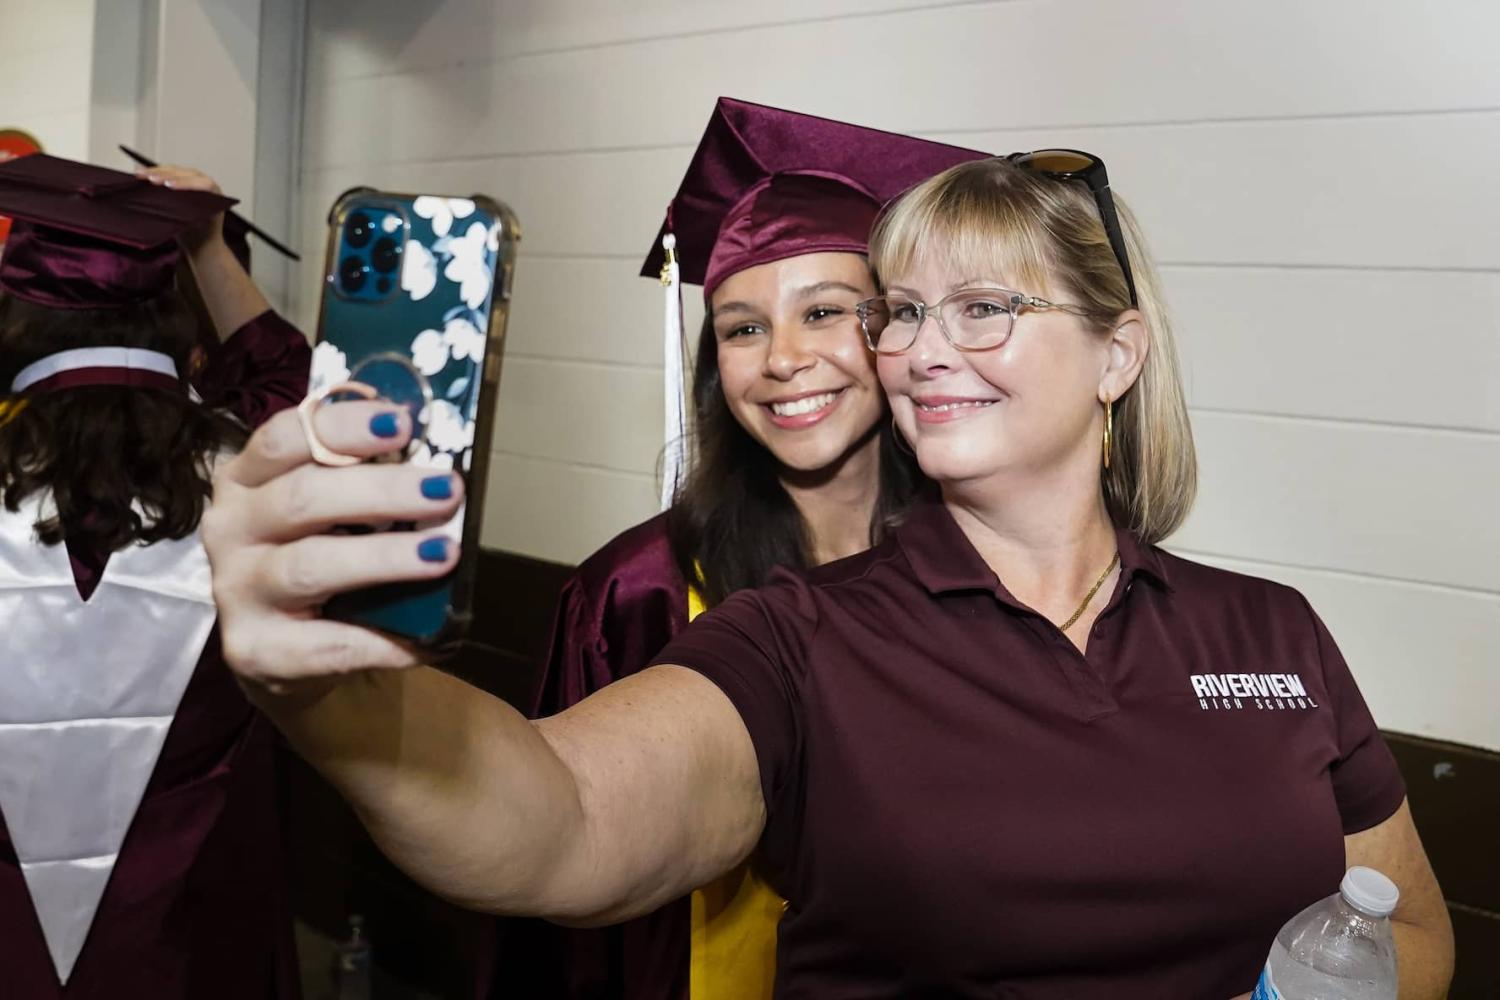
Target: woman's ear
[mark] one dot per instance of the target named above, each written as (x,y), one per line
(1129,343)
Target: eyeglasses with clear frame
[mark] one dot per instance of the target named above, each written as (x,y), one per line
(971,319)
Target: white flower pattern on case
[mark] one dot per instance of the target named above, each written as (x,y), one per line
(426,457)
(429,352)
(463,338)
(419,272)
(442,211)
(460,340)
(468,266)
(329,368)
(464,258)
(447,429)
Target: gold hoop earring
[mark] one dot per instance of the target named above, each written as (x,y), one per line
(901,444)
(1109,430)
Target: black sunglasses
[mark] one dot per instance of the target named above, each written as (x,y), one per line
(1076,165)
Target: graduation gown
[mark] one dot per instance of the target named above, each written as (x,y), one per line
(615,614)
(114,679)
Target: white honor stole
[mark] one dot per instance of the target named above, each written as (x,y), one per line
(87,693)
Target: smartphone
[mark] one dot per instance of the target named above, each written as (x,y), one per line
(416,294)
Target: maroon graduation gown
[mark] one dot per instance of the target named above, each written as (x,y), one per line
(196,906)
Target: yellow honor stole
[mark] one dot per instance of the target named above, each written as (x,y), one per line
(734,925)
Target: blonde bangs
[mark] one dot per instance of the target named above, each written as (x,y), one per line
(961,227)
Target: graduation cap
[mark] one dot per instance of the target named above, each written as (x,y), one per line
(87,237)
(237,229)
(766,184)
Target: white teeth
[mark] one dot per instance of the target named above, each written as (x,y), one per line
(945,407)
(807,404)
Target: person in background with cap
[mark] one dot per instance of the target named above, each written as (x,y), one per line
(794,464)
(1014,749)
(139,852)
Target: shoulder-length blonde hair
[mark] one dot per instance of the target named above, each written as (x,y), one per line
(991,217)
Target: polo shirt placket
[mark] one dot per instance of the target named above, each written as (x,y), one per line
(944,561)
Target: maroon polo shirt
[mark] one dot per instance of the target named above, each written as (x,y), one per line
(962,804)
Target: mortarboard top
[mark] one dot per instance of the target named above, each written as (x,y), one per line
(766,184)
(110,206)
(87,237)
(237,229)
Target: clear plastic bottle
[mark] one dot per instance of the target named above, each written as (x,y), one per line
(1339,948)
(351,969)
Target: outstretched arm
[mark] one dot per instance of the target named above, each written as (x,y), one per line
(627,800)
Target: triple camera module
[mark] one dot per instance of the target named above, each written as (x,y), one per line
(370,259)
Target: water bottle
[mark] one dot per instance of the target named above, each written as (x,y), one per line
(1339,948)
(351,965)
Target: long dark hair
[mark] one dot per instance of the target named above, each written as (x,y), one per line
(733,522)
(122,465)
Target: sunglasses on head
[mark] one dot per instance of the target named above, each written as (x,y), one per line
(1076,165)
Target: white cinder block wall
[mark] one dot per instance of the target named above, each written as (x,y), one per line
(46,56)
(1318,180)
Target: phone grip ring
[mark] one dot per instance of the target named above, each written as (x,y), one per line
(321,453)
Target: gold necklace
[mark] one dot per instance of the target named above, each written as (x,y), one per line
(1092,591)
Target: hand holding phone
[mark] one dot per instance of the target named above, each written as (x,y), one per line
(415,300)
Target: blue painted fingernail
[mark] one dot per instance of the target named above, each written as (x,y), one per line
(437,487)
(385,425)
(433,550)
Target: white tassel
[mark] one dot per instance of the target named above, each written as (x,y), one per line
(674,458)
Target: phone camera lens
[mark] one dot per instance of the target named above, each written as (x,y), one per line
(386,255)
(352,274)
(358,230)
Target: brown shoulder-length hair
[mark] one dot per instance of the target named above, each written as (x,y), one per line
(733,522)
(992,217)
(122,465)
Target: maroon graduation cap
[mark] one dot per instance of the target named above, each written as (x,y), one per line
(237,228)
(87,237)
(767,184)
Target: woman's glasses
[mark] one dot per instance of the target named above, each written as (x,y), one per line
(972,319)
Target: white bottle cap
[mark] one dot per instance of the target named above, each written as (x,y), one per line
(1367,890)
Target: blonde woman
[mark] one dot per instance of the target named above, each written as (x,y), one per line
(1014,749)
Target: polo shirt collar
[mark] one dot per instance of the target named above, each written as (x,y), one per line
(944,560)
(1139,559)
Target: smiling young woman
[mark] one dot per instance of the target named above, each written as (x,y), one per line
(796,462)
